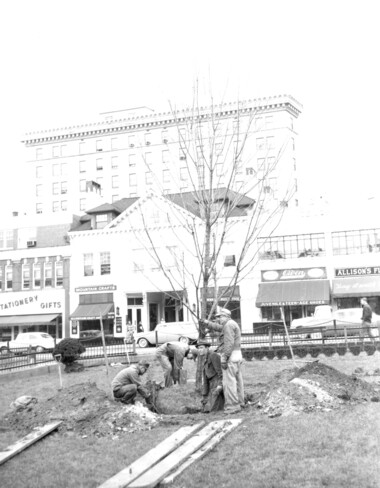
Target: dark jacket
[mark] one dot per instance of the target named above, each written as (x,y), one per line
(229,338)
(367,313)
(129,376)
(176,353)
(212,370)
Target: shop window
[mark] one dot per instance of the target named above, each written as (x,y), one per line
(88,264)
(271,313)
(135,301)
(58,274)
(292,246)
(48,275)
(37,275)
(26,277)
(356,241)
(8,277)
(105,263)
(230,260)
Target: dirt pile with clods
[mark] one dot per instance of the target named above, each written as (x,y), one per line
(313,387)
(84,410)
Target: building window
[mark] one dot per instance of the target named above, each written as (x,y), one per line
(293,246)
(38,171)
(99,145)
(25,277)
(115,181)
(56,170)
(105,263)
(82,204)
(37,275)
(82,185)
(230,260)
(268,121)
(55,188)
(82,147)
(166,176)
(115,198)
(64,169)
(82,166)
(88,266)
(148,178)
(8,277)
(39,153)
(133,179)
(38,190)
(132,160)
(131,141)
(101,221)
(165,136)
(6,239)
(64,205)
(148,137)
(99,164)
(39,208)
(55,206)
(114,162)
(56,151)
(270,142)
(356,241)
(1,278)
(48,275)
(64,187)
(260,144)
(165,156)
(183,174)
(148,158)
(58,274)
(114,144)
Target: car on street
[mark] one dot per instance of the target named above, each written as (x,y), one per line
(38,341)
(93,337)
(185,332)
(334,323)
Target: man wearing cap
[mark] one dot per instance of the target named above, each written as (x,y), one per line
(231,359)
(212,378)
(170,356)
(127,383)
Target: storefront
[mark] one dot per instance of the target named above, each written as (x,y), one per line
(35,311)
(351,284)
(92,309)
(298,291)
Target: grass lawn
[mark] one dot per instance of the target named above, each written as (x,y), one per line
(320,449)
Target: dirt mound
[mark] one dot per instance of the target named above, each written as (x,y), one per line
(315,386)
(84,410)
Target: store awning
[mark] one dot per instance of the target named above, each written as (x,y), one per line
(92,311)
(43,319)
(302,292)
(363,286)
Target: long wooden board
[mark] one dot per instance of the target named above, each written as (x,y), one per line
(27,441)
(137,468)
(158,472)
(230,425)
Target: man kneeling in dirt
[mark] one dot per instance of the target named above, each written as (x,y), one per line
(127,383)
(170,356)
(212,380)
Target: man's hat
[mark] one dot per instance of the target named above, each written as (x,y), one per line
(202,342)
(223,312)
(144,364)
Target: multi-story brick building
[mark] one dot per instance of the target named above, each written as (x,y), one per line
(125,154)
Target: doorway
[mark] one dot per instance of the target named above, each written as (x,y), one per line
(153,315)
(134,315)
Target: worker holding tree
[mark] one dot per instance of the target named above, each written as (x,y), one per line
(171,356)
(231,358)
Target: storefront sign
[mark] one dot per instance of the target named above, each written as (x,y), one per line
(300,302)
(293,274)
(33,302)
(83,289)
(363,271)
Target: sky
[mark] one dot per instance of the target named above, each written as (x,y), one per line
(64,63)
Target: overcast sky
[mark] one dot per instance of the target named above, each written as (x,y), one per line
(63,63)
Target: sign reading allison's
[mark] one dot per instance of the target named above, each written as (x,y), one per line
(362,271)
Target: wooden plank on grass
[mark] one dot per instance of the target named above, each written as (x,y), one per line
(137,468)
(228,427)
(27,441)
(162,469)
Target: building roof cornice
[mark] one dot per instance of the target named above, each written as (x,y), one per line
(163,119)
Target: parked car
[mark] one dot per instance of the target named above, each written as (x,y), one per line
(185,332)
(38,341)
(345,318)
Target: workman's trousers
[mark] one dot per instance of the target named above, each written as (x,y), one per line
(167,366)
(126,393)
(366,331)
(233,387)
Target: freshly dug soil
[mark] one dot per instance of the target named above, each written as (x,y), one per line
(315,386)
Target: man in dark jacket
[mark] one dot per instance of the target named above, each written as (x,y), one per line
(212,378)
(170,356)
(127,384)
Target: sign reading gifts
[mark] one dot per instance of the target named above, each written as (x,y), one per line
(32,302)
